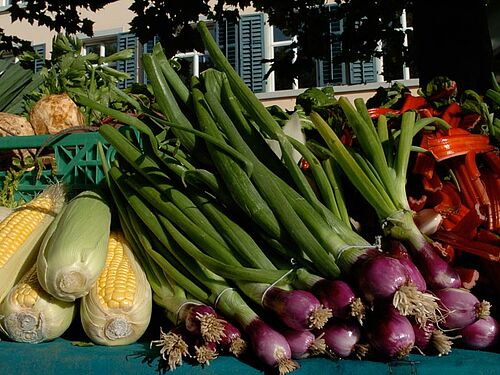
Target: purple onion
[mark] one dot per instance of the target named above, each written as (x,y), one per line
(194,314)
(203,320)
(437,273)
(342,337)
(205,351)
(231,340)
(398,251)
(390,334)
(429,338)
(481,334)
(303,344)
(338,296)
(381,276)
(423,334)
(174,345)
(384,278)
(297,309)
(460,307)
(270,346)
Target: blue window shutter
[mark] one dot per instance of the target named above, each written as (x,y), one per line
(226,35)
(148,48)
(39,63)
(330,73)
(251,45)
(127,40)
(362,72)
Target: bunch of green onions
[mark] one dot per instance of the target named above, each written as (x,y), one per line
(217,219)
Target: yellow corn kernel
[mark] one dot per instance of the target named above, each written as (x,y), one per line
(117,282)
(27,293)
(18,226)
(22,232)
(117,309)
(29,314)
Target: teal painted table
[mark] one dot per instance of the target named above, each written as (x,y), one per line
(60,357)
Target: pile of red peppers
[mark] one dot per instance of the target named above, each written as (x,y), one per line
(459,174)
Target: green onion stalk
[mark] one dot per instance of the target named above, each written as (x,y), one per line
(199,319)
(383,184)
(268,344)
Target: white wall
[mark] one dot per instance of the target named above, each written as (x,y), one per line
(112,18)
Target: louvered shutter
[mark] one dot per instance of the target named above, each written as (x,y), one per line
(362,72)
(39,63)
(128,40)
(330,73)
(148,46)
(226,34)
(251,45)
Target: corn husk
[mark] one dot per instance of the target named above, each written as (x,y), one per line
(25,256)
(110,325)
(29,314)
(73,251)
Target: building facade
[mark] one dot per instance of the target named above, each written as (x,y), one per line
(245,43)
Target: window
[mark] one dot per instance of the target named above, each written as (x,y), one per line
(279,49)
(192,64)
(39,62)
(246,44)
(243,45)
(109,44)
(103,47)
(393,66)
(331,72)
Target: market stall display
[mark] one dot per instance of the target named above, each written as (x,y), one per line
(370,247)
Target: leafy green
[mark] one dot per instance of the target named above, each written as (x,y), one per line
(389,97)
(440,91)
(69,71)
(14,82)
(314,98)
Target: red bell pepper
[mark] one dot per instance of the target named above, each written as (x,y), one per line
(416,204)
(432,184)
(470,120)
(304,164)
(456,142)
(468,225)
(446,200)
(487,236)
(481,249)
(473,190)
(414,103)
(451,220)
(491,183)
(493,161)
(376,112)
(468,276)
(424,163)
(453,115)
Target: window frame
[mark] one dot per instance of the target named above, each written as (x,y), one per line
(99,41)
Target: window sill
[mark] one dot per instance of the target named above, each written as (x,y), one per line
(372,86)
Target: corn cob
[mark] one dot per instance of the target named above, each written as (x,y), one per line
(21,233)
(29,314)
(117,309)
(73,251)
